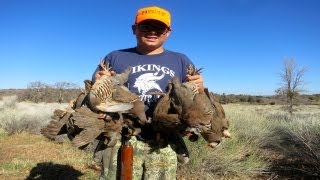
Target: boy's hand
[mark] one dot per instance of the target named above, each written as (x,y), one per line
(99,74)
(197,79)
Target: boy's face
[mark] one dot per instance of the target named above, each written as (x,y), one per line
(151,34)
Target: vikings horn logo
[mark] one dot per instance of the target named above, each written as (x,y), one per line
(147,81)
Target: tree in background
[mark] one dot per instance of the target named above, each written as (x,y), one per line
(62,87)
(224,99)
(291,82)
(38,91)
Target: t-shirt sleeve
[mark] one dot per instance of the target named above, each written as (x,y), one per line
(185,64)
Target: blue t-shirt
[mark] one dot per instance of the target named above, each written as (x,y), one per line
(150,73)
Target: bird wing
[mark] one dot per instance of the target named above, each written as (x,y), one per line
(85,137)
(57,125)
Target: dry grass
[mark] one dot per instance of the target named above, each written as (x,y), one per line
(235,158)
(290,143)
(17,117)
(264,137)
(35,157)
(27,155)
(266,143)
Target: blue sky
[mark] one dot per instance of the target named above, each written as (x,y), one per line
(241,44)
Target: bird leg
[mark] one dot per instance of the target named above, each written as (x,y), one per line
(103,66)
(191,70)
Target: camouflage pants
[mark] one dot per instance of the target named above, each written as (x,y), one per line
(148,162)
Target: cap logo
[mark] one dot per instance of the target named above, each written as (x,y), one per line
(152,11)
(155,13)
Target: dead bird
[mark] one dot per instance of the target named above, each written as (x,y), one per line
(108,94)
(197,112)
(101,93)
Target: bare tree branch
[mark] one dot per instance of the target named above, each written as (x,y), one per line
(292,79)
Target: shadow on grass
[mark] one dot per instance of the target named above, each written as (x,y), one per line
(50,171)
(292,155)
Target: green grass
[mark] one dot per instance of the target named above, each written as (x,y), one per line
(3,133)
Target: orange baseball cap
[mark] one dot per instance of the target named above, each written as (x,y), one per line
(153,12)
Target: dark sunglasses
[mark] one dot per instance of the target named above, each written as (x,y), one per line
(149,28)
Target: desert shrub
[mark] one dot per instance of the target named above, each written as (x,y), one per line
(26,123)
(27,117)
(49,95)
(223,98)
(260,101)
(251,99)
(292,145)
(8,102)
(243,99)
(297,150)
